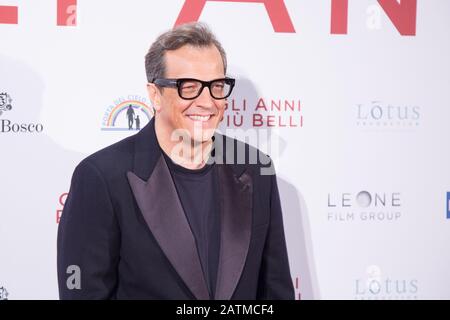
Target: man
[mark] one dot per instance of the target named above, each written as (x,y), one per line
(138,123)
(130,116)
(172,212)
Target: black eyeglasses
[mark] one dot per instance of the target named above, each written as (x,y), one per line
(189,88)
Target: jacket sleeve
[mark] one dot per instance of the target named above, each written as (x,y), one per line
(275,282)
(88,238)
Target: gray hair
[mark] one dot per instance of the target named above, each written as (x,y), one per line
(196,34)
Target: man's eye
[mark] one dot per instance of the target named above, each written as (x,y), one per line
(189,86)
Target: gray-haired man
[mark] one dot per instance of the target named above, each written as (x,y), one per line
(165,214)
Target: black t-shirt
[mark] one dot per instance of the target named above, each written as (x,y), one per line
(198,193)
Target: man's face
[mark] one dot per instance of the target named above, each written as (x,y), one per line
(201,116)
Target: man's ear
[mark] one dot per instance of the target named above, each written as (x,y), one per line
(155,96)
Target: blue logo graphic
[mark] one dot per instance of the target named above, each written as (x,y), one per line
(124,114)
(448,205)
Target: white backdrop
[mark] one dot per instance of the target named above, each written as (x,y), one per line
(357,122)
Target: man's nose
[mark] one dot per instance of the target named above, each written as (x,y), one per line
(205,99)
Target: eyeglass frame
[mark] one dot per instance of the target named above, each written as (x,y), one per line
(176,83)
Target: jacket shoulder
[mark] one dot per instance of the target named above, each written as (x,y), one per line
(113,158)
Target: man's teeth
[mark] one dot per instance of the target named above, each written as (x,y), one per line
(199,118)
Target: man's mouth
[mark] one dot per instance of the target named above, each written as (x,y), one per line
(197,117)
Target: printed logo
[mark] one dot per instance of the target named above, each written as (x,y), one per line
(364,206)
(62,201)
(127,114)
(5,102)
(448,205)
(402,14)
(8,126)
(3,293)
(377,115)
(377,286)
(263,113)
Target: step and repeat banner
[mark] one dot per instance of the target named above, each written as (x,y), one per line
(351,98)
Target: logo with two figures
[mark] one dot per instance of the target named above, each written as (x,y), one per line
(127,113)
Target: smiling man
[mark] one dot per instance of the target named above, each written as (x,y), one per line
(176,211)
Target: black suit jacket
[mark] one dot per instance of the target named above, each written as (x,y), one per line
(124,227)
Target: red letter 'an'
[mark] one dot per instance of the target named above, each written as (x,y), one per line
(403,15)
(278,14)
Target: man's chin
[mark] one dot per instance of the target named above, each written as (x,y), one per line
(201,134)
(203,137)
(196,136)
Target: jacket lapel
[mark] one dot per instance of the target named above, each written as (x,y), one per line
(236,208)
(236,222)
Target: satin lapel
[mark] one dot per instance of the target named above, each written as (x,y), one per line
(236,223)
(159,203)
